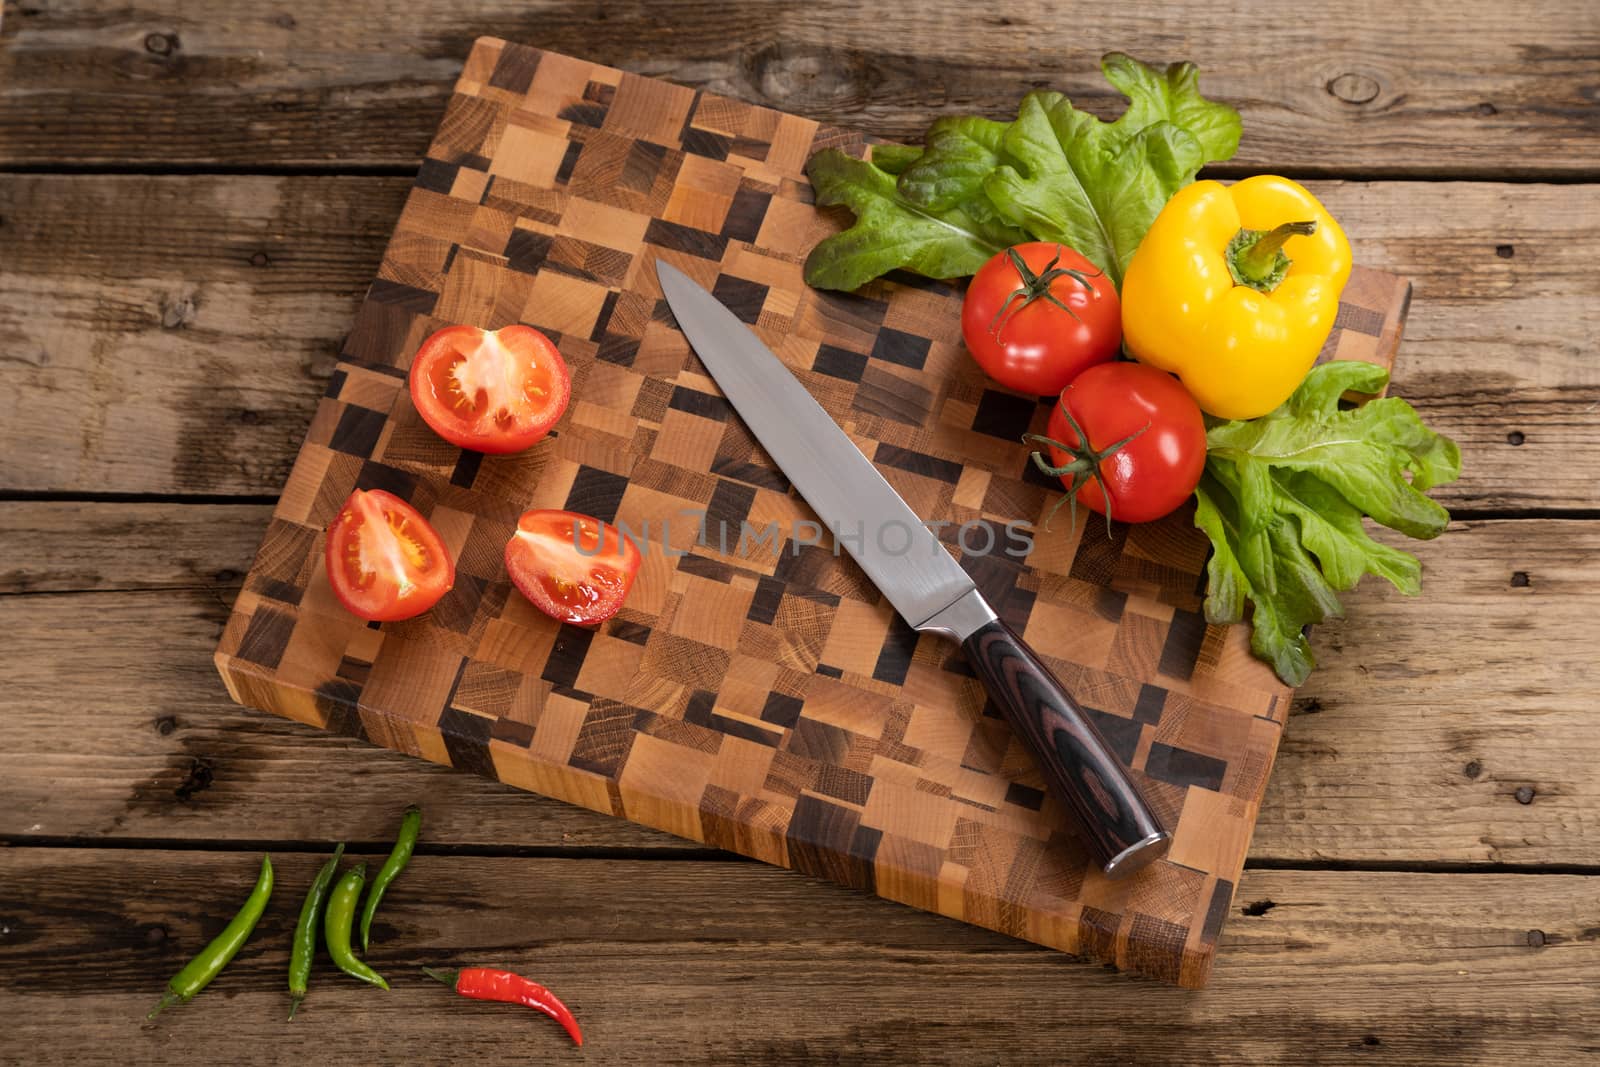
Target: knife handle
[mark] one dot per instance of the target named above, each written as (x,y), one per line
(1122,832)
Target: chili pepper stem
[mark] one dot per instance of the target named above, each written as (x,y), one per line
(447,977)
(168,999)
(1256,257)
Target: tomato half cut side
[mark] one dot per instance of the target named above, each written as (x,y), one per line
(385,561)
(492,391)
(573,567)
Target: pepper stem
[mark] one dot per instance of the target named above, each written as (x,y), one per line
(447,977)
(168,999)
(1256,257)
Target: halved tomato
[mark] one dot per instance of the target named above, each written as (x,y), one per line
(490,390)
(385,561)
(573,567)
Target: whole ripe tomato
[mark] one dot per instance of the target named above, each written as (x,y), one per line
(573,567)
(1146,441)
(490,390)
(1036,315)
(384,560)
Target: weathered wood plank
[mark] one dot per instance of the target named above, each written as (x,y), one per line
(1394,968)
(73,547)
(177,330)
(1469,89)
(1412,743)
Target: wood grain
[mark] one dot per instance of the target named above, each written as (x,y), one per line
(1469,89)
(1394,753)
(644,953)
(1499,341)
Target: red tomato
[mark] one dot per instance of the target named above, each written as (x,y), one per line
(490,390)
(573,567)
(1153,473)
(385,561)
(1037,314)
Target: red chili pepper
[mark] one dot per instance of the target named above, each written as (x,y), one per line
(481,983)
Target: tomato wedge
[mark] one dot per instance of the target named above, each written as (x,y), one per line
(385,561)
(490,390)
(573,567)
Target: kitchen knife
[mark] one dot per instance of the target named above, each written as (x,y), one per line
(925,585)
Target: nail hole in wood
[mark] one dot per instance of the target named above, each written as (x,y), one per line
(1515,437)
(1524,794)
(1519,579)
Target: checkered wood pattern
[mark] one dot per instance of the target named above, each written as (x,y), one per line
(760,697)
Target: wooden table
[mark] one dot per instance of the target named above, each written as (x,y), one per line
(193,196)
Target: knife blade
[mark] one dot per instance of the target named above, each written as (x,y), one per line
(917,575)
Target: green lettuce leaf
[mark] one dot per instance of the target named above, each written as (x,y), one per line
(958,153)
(895,158)
(1283,499)
(1084,183)
(1172,94)
(890,232)
(1054,174)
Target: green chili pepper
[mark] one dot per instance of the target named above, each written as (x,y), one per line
(337,922)
(198,972)
(304,946)
(398,858)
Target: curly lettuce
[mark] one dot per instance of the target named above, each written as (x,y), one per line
(1054,174)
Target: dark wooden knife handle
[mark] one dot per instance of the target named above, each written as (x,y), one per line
(1122,832)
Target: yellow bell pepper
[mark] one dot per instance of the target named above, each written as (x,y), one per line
(1234,289)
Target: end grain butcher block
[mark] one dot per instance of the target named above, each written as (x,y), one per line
(760,697)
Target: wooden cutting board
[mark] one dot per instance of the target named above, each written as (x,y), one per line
(762,698)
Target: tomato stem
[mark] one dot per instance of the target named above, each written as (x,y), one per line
(1035,287)
(1084,466)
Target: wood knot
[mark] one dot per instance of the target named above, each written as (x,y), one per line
(198,780)
(161,44)
(1487,110)
(1515,438)
(1524,794)
(1519,579)
(260,259)
(177,311)
(1505,251)
(166,724)
(1372,1040)
(1472,769)
(1355,88)
(804,77)
(284,21)
(1536,939)
(1258,907)
(154,934)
